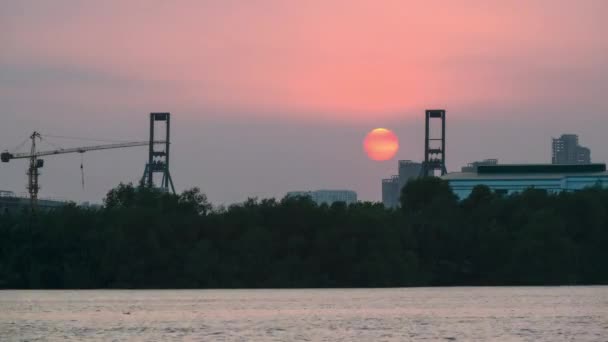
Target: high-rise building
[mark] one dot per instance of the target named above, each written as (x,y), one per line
(327,196)
(391,187)
(407,170)
(566,150)
(391,192)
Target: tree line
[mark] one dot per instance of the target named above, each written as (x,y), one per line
(144,238)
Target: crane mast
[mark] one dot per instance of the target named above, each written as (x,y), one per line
(32,171)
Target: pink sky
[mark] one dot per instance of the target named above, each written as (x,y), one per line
(353,59)
(313,63)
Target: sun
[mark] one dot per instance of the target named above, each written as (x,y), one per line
(381,144)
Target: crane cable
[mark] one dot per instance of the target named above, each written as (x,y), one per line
(51,143)
(82,169)
(16,148)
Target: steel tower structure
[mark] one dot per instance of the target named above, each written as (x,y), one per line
(158,160)
(434,146)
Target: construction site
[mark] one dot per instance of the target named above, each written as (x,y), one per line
(156,172)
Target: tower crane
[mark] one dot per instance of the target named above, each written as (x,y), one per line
(35,163)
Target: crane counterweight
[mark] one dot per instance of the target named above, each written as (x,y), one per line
(5,157)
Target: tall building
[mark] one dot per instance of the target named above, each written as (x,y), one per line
(472,167)
(327,196)
(391,187)
(566,150)
(390,192)
(407,170)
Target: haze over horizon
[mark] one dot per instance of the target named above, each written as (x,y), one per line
(273,96)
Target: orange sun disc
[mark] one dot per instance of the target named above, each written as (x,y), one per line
(381,144)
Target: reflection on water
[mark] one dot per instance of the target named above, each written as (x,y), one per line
(430,314)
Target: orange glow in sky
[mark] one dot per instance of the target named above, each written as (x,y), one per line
(381,144)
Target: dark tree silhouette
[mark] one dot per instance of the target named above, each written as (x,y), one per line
(145,238)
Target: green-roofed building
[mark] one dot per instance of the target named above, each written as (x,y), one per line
(512,178)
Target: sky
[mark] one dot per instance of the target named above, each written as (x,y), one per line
(270,96)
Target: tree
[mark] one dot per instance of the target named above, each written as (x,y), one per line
(123,196)
(425,193)
(193,199)
(147,238)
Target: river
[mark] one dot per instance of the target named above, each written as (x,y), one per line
(414,314)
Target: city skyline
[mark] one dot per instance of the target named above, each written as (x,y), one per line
(271,97)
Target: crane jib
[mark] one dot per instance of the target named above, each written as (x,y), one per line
(5,157)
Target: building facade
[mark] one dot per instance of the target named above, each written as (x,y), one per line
(327,196)
(566,150)
(391,187)
(408,170)
(390,192)
(509,179)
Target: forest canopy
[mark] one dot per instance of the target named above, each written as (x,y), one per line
(144,238)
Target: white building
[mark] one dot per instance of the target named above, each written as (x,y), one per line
(508,179)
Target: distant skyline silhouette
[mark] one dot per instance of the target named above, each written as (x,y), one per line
(269,96)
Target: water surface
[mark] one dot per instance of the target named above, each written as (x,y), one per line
(421,314)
